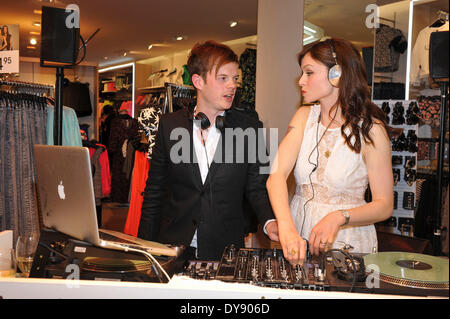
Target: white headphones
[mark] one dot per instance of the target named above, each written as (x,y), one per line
(335,72)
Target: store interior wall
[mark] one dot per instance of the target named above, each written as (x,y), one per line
(176,61)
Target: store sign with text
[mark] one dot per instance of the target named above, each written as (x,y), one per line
(9,48)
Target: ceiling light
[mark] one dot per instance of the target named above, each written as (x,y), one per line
(33,41)
(179,38)
(308,38)
(36,24)
(37,11)
(106,58)
(309,29)
(150,46)
(31,47)
(35,33)
(233,24)
(124,54)
(311,32)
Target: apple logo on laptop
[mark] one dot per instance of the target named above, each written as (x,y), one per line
(61,193)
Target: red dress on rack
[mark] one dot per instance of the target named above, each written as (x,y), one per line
(139,180)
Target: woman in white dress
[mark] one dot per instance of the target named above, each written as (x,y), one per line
(339,147)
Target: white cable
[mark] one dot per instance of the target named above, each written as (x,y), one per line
(145,253)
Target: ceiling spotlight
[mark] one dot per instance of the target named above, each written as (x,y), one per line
(233,24)
(37,11)
(31,47)
(179,38)
(33,41)
(150,46)
(124,54)
(36,24)
(35,33)
(106,58)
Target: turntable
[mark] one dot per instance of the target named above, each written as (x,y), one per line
(409,269)
(58,254)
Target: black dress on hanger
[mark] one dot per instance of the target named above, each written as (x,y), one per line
(123,128)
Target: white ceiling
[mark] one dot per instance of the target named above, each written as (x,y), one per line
(131,25)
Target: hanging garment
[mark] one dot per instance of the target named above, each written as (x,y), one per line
(23,120)
(420,54)
(71,135)
(148,124)
(106,173)
(127,106)
(367,54)
(389,44)
(426,206)
(94,153)
(139,180)
(76,95)
(100,168)
(388,91)
(123,128)
(247,63)
(186,77)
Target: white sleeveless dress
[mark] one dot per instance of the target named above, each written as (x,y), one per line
(339,182)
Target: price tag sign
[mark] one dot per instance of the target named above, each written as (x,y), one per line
(9,61)
(9,48)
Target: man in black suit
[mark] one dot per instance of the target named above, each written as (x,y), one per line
(199,173)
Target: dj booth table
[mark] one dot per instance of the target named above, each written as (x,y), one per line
(64,268)
(179,287)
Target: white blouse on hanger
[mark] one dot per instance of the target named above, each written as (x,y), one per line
(420,54)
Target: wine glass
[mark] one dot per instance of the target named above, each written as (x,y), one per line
(25,248)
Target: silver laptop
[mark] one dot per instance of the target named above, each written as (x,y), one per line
(67,201)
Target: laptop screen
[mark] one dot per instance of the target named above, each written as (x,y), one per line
(65,191)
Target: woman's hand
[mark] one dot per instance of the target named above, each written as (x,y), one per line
(294,246)
(325,231)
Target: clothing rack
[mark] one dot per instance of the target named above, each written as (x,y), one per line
(177,91)
(389,20)
(27,87)
(172,91)
(152,89)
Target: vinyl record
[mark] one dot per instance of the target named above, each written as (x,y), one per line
(409,269)
(99,264)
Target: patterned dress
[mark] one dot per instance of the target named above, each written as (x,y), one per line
(339,182)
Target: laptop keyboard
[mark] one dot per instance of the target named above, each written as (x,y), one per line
(109,237)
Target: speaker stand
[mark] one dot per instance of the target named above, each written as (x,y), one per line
(58,119)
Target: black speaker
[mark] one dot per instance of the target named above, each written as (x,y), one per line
(439,55)
(60,39)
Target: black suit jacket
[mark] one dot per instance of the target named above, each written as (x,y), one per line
(176,203)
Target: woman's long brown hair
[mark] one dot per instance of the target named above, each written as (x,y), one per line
(354,94)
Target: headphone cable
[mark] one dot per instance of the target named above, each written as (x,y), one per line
(317,162)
